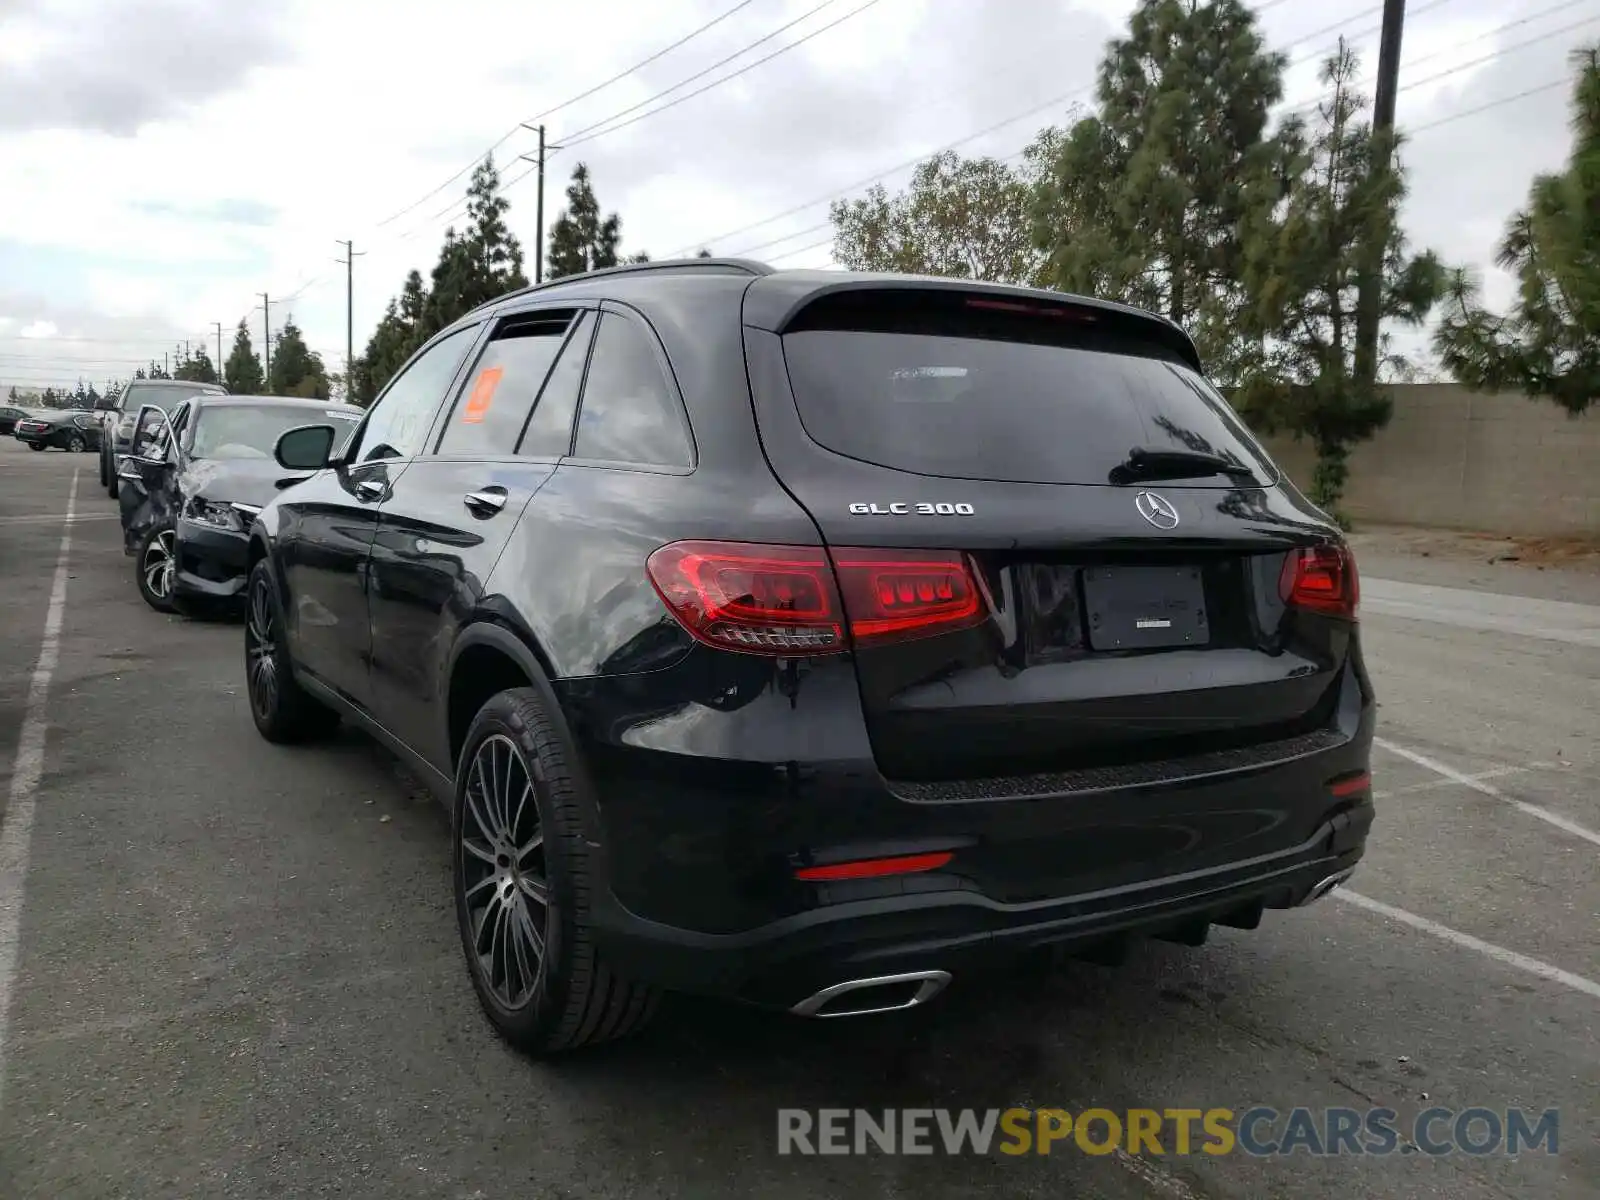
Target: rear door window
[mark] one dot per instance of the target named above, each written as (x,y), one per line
(969,398)
(500,391)
(630,411)
(549,431)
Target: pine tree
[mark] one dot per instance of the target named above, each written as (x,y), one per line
(965,218)
(197,367)
(400,332)
(580,240)
(241,374)
(296,370)
(1144,201)
(497,255)
(1549,344)
(1302,270)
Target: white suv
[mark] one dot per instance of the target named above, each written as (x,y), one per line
(117,428)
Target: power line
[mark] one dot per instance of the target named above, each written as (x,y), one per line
(1411,133)
(512,132)
(715,83)
(1306,106)
(580,135)
(594,131)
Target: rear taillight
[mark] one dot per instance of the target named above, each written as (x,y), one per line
(1321,579)
(803,600)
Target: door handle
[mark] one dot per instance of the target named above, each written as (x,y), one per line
(487,502)
(370,489)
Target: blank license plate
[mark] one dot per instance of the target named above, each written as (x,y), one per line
(1144,608)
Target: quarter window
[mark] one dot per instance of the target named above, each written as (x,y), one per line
(630,410)
(549,433)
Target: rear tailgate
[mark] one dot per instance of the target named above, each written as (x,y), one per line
(1129,623)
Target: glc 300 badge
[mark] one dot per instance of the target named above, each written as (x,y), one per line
(923,508)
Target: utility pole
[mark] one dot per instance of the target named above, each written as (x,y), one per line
(1369,297)
(538,203)
(349,261)
(166,367)
(266,337)
(218,325)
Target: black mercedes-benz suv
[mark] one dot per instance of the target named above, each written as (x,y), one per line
(809,638)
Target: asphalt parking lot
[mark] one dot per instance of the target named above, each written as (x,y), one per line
(230,969)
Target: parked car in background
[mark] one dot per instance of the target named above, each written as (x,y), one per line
(73,430)
(9,416)
(118,417)
(809,637)
(195,484)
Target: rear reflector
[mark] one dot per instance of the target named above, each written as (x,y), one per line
(873,868)
(1321,579)
(1351,785)
(789,600)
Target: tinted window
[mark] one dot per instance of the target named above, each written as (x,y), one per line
(975,408)
(495,401)
(630,411)
(549,432)
(401,416)
(252,430)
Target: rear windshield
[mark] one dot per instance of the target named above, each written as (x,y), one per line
(163,396)
(252,430)
(1022,412)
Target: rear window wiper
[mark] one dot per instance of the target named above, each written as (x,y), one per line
(1144,463)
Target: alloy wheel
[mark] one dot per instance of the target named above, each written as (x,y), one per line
(260,646)
(158,564)
(504,879)
(76,445)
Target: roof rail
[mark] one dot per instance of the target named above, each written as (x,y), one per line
(744,266)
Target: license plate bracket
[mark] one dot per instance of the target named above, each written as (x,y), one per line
(1145,608)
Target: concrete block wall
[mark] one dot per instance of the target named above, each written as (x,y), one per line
(1454,459)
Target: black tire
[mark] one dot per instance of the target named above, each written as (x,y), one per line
(76,444)
(574,999)
(111,482)
(103,473)
(282,710)
(153,569)
(35,445)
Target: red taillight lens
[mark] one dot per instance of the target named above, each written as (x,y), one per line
(784,599)
(893,595)
(1322,579)
(763,599)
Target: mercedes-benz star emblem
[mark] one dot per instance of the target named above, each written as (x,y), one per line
(1158,510)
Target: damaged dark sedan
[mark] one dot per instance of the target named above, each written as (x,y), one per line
(193,486)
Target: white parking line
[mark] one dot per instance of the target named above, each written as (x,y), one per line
(1500,954)
(1429,785)
(58,518)
(16,828)
(1477,784)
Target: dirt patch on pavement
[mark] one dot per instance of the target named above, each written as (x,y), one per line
(1581,554)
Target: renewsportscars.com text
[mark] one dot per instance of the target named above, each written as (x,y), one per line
(1258,1132)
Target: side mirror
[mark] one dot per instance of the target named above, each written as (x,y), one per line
(305,448)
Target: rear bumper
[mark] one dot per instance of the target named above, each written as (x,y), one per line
(212,562)
(958,931)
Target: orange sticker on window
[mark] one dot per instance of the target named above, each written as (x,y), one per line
(482,394)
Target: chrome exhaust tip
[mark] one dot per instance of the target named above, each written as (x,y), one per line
(1324,886)
(887,993)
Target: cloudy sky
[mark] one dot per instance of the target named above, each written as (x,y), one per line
(165,161)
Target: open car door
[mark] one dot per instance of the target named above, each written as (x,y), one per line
(148,475)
